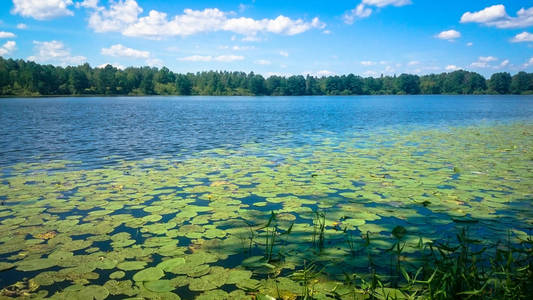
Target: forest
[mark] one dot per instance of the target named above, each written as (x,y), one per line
(27,78)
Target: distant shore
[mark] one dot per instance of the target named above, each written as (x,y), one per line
(19,78)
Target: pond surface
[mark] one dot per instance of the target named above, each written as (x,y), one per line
(92,129)
(220,197)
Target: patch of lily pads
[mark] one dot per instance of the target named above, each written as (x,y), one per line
(157,226)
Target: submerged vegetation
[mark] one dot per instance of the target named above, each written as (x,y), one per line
(420,214)
(26,78)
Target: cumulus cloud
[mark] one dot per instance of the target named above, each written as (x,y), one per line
(370,73)
(284,53)
(522,37)
(123,16)
(22,26)
(8,48)
(469,44)
(122,51)
(413,63)
(115,18)
(451,68)
(528,63)
(368,63)
(42,9)
(487,58)
(88,4)
(116,65)
(362,10)
(6,35)
(484,62)
(55,52)
(208,58)
(154,62)
(449,35)
(263,62)
(359,12)
(242,48)
(496,16)
(321,73)
(383,3)
(504,63)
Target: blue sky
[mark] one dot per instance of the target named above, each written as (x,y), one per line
(365,37)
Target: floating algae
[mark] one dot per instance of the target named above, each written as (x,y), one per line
(242,224)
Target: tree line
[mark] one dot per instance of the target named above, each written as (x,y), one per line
(27,78)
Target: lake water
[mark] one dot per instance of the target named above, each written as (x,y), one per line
(167,197)
(92,129)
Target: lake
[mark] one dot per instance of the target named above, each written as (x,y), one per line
(237,197)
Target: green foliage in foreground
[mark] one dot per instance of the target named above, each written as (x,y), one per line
(280,221)
(26,78)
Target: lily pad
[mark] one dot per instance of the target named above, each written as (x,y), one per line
(159,286)
(149,274)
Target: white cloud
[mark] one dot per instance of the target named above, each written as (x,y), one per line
(522,37)
(362,10)
(284,53)
(479,64)
(326,32)
(321,73)
(116,65)
(250,39)
(383,3)
(504,63)
(242,48)
(449,35)
(8,48)
(263,62)
(116,18)
(88,4)
(22,26)
(279,25)
(413,63)
(154,62)
(368,63)
(487,58)
(496,16)
(42,9)
(469,44)
(123,16)
(528,63)
(370,73)
(229,58)
(451,68)
(122,51)
(208,58)
(5,35)
(197,58)
(484,62)
(359,12)
(55,52)
(280,74)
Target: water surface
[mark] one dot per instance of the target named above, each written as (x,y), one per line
(174,197)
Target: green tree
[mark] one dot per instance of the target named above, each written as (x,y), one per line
(409,84)
(521,83)
(500,82)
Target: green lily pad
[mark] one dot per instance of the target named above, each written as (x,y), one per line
(159,286)
(117,275)
(149,274)
(131,265)
(169,264)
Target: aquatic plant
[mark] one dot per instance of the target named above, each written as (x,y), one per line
(377,220)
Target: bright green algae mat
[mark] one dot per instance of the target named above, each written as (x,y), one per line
(200,227)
